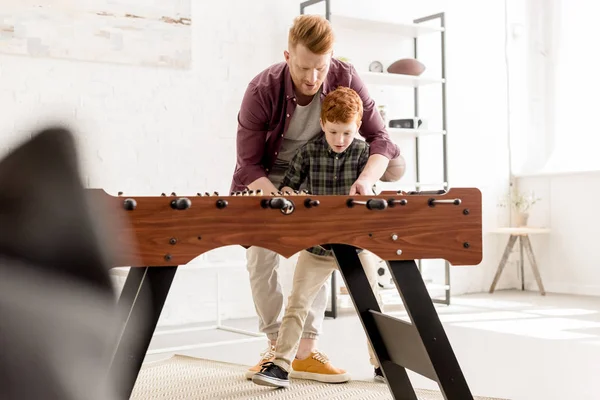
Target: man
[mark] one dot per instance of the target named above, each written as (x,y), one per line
(279,113)
(329,164)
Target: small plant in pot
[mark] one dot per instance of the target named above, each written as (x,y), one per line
(521,203)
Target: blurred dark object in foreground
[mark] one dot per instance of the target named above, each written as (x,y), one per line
(59,322)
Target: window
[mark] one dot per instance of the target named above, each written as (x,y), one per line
(573,101)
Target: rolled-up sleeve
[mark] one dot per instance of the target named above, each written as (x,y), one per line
(373,127)
(251,137)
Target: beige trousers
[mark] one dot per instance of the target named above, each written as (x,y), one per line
(267,293)
(311,272)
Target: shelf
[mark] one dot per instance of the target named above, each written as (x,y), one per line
(414,132)
(385,78)
(389,31)
(404,29)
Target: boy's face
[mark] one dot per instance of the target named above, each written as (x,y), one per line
(339,135)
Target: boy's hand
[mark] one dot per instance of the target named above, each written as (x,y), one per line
(286,190)
(361,186)
(372,172)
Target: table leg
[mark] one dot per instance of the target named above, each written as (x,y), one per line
(522,263)
(507,250)
(144,295)
(365,303)
(534,267)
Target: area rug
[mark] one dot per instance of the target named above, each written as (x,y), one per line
(182,377)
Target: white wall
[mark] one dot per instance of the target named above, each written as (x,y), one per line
(147,131)
(477,105)
(477,121)
(566,256)
(554,152)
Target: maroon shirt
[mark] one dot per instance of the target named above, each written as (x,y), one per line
(268,106)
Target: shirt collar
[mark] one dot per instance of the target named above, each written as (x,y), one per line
(289,87)
(326,87)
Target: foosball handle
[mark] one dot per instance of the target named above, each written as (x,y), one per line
(371,204)
(182,203)
(278,203)
(308,203)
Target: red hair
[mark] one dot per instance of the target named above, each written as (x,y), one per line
(314,32)
(343,105)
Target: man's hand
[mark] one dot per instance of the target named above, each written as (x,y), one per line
(263,184)
(362,186)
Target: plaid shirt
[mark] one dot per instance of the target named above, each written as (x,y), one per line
(325,171)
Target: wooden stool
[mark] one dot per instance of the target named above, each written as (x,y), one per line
(522,234)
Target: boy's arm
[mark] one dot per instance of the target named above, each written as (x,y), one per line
(363,160)
(296,172)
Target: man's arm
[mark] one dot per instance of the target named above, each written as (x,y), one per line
(250,142)
(296,172)
(382,149)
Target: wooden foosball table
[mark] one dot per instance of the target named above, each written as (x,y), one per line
(52,224)
(167,232)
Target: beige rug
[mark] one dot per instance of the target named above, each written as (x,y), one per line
(181,377)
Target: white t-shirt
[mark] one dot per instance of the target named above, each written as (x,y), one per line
(303,127)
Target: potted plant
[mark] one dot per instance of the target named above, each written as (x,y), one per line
(521,203)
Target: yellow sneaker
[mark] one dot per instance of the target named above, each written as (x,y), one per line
(318,368)
(265,356)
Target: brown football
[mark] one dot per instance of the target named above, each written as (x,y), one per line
(406,66)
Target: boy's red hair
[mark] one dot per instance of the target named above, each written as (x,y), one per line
(343,105)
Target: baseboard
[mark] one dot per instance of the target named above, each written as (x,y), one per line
(566,288)
(224,264)
(193,296)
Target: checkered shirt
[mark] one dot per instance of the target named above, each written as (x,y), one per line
(325,171)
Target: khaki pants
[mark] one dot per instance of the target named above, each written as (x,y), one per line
(267,293)
(311,272)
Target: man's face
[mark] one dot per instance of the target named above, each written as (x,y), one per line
(339,135)
(308,69)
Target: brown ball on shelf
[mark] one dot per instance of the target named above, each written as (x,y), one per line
(406,66)
(395,170)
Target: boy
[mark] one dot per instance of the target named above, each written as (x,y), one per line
(330,163)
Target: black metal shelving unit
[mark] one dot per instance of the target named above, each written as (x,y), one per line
(333,312)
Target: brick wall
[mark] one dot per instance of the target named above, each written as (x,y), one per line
(150,130)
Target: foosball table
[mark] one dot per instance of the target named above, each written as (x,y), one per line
(169,231)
